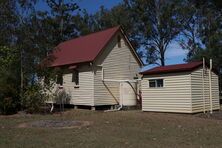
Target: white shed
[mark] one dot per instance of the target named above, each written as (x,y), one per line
(181,88)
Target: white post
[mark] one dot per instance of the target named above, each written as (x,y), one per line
(203,86)
(210,89)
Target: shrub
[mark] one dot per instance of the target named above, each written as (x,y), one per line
(8,105)
(9,80)
(33,98)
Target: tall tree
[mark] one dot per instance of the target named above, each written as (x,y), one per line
(190,34)
(106,18)
(8,21)
(40,31)
(208,28)
(9,82)
(157,23)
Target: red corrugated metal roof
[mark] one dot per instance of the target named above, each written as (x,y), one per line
(82,49)
(173,68)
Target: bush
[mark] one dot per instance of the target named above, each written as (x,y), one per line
(8,106)
(33,99)
(9,80)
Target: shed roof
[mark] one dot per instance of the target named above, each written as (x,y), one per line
(173,68)
(82,49)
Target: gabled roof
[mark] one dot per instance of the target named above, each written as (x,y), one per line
(173,68)
(82,49)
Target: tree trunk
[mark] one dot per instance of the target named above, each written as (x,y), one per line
(21,73)
(162,60)
(162,55)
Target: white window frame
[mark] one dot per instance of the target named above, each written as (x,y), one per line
(156,83)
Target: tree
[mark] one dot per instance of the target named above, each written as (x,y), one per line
(9,82)
(208,28)
(40,31)
(8,21)
(156,24)
(33,34)
(106,18)
(190,34)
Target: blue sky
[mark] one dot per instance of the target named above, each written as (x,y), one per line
(174,55)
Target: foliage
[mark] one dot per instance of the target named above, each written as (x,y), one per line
(33,98)
(150,25)
(9,82)
(28,35)
(157,23)
(8,21)
(8,105)
(190,34)
(209,33)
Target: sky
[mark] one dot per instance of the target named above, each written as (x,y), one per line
(174,54)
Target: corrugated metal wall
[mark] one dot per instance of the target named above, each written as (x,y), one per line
(197,91)
(182,93)
(175,96)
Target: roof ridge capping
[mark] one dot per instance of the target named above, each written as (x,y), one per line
(173,68)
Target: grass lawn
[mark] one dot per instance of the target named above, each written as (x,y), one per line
(113,129)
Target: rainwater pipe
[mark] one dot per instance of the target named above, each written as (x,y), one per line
(114,80)
(203,86)
(210,85)
(52,107)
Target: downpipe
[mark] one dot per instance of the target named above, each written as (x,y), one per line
(52,108)
(115,110)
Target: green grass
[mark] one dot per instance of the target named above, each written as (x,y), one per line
(114,129)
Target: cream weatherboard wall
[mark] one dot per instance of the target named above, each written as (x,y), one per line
(182,92)
(200,98)
(174,96)
(82,95)
(118,63)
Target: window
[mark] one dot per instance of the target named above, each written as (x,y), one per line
(152,83)
(119,41)
(156,83)
(59,79)
(75,77)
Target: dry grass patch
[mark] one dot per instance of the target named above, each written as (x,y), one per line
(113,129)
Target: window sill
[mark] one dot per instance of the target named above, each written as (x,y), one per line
(76,86)
(156,87)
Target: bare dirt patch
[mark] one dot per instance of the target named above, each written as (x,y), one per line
(216,115)
(55,124)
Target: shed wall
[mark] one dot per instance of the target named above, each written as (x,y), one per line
(175,96)
(198,100)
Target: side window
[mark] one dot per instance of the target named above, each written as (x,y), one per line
(119,41)
(59,79)
(152,83)
(75,77)
(156,83)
